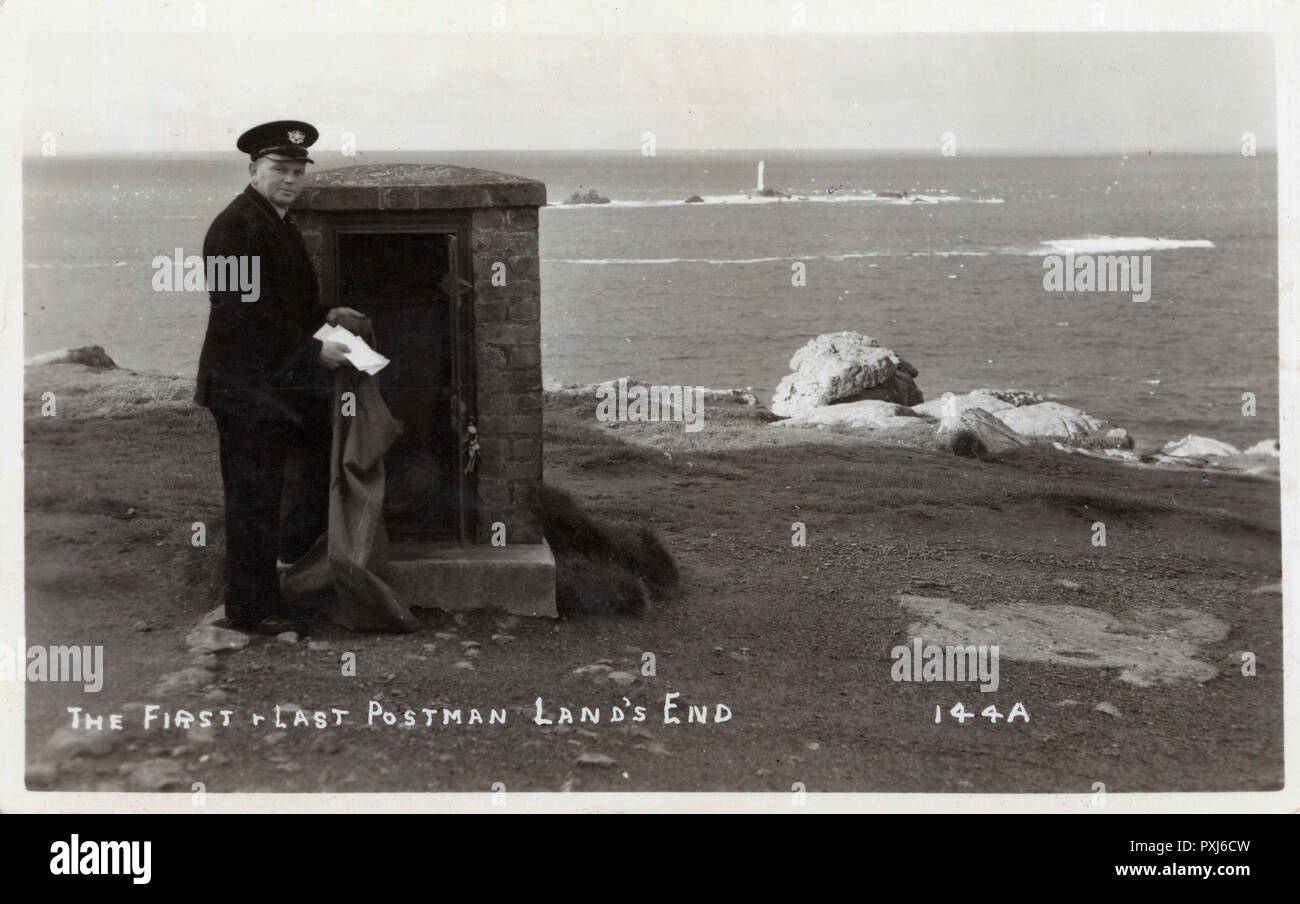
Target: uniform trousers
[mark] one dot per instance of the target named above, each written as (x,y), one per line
(253,456)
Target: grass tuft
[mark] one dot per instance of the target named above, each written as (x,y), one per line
(604,566)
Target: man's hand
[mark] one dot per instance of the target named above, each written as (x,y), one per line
(350,319)
(332,355)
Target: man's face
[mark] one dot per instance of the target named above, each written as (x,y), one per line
(279,181)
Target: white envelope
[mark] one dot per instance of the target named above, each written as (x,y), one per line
(360,354)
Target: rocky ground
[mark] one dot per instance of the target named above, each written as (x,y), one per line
(794,642)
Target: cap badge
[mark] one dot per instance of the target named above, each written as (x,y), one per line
(296,136)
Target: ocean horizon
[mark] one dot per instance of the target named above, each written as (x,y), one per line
(939,258)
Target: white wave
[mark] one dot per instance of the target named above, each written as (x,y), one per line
(741,198)
(662,260)
(1107,243)
(95,266)
(849,255)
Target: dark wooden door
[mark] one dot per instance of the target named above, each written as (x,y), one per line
(411,285)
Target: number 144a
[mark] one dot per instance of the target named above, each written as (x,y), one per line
(990,712)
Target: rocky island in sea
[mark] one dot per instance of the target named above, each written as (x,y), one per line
(591,196)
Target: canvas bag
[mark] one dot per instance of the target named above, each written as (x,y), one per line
(340,575)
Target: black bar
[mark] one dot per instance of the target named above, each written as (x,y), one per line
(941,852)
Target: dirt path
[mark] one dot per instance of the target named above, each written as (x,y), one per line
(795,642)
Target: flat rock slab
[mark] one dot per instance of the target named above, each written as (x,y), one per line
(156,775)
(1193,446)
(1269,447)
(201,734)
(592,669)
(41,775)
(67,743)
(190,679)
(1050,420)
(977,432)
(215,615)
(1151,646)
(211,639)
(870,414)
(951,405)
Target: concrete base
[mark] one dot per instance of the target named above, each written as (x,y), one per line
(518,578)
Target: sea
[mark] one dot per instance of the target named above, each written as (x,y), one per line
(941,259)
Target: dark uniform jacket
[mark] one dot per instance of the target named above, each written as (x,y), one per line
(259,358)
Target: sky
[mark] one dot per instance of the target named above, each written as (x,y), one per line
(103,85)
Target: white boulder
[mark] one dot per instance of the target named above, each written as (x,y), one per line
(1118,438)
(1193,446)
(1050,420)
(1265,447)
(843,366)
(950,405)
(976,433)
(212,639)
